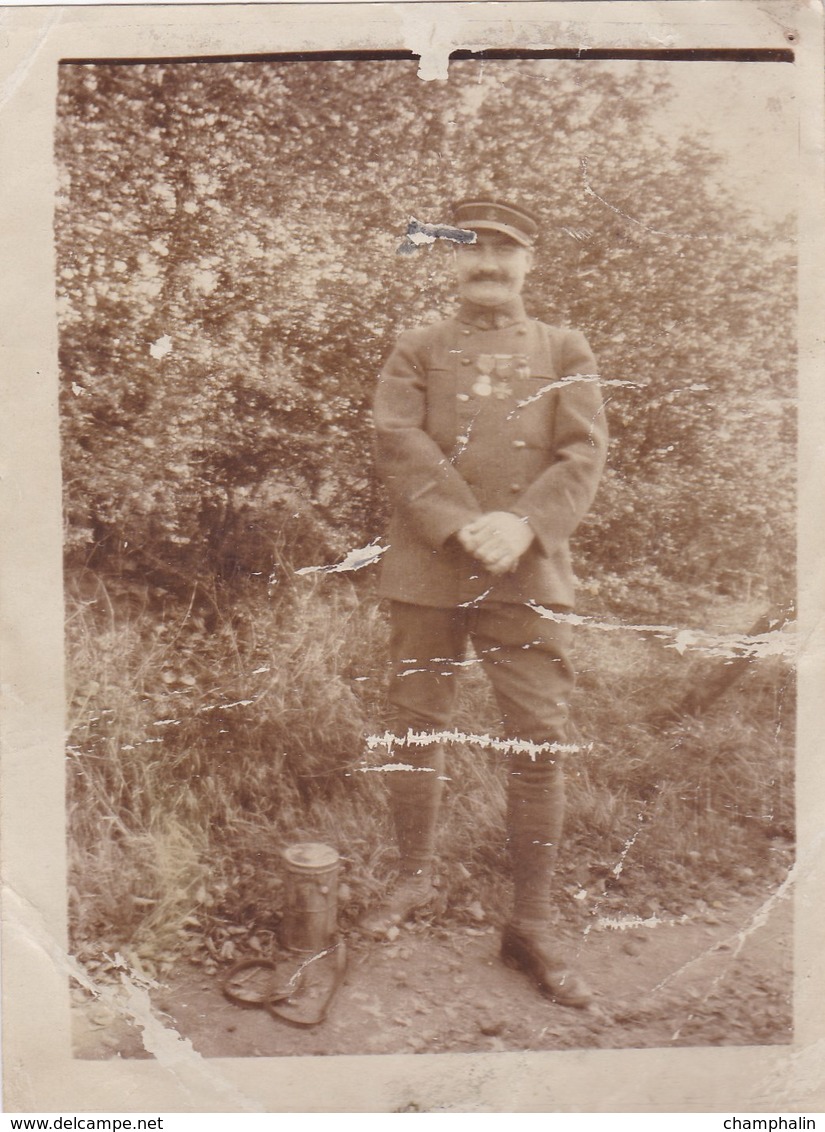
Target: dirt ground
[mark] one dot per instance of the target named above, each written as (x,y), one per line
(719,975)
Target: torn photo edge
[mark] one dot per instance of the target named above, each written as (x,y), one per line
(40,1074)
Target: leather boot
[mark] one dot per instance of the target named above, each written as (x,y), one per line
(534,953)
(415,790)
(535,817)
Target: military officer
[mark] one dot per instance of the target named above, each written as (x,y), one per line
(491,440)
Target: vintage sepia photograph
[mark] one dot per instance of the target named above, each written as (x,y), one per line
(413,615)
(428,457)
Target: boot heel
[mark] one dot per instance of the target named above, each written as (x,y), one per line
(535,955)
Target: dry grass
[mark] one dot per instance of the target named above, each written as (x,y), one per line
(202,744)
(703,800)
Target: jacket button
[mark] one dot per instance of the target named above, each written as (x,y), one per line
(462,396)
(466,331)
(465,361)
(515,487)
(519,443)
(521,330)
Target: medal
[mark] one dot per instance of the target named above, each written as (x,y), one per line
(502,368)
(485,364)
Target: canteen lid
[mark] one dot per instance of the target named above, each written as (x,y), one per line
(311,855)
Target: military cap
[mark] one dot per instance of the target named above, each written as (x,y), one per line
(497,216)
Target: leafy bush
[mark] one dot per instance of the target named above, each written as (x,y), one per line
(229,283)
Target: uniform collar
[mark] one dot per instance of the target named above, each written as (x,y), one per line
(491,318)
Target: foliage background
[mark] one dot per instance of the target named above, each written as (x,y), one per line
(228,284)
(227,243)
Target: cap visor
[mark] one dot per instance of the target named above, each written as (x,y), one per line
(497,226)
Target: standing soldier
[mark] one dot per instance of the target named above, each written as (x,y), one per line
(491,441)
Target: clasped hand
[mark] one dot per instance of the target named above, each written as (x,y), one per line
(497,540)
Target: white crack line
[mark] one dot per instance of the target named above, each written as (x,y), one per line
(397,766)
(224,707)
(586,378)
(508,746)
(776,642)
(590,191)
(172,1052)
(12,84)
(357,559)
(757,920)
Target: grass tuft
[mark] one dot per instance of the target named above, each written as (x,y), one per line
(201,746)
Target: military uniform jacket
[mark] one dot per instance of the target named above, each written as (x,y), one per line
(487,411)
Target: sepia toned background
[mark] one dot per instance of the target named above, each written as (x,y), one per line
(229,280)
(222,317)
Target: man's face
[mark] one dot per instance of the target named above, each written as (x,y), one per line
(491,271)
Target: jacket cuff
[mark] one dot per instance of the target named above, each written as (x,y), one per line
(440,527)
(538,542)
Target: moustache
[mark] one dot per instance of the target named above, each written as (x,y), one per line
(489,277)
